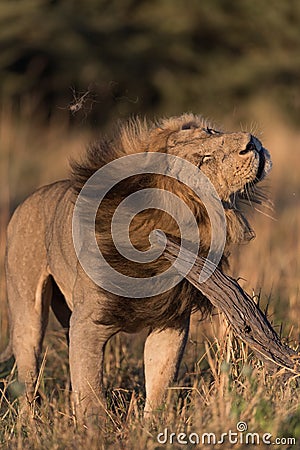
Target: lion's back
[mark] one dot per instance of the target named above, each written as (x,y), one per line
(38,210)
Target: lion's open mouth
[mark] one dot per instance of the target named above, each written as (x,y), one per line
(250,192)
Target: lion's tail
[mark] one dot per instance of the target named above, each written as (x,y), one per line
(7,353)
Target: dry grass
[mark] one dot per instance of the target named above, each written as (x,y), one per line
(220,382)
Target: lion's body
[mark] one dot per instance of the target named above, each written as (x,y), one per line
(42,267)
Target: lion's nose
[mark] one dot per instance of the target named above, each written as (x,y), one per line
(250,147)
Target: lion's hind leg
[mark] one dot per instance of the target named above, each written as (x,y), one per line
(29,287)
(29,310)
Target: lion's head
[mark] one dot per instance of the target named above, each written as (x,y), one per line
(234,162)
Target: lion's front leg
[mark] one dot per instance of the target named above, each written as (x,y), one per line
(87,344)
(162,356)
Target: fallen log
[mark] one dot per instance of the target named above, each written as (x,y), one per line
(246,319)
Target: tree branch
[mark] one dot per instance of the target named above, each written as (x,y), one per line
(245,317)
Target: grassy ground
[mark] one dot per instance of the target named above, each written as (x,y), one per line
(220,382)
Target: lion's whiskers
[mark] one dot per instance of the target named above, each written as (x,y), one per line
(265,214)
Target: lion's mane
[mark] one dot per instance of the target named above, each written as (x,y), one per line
(173,306)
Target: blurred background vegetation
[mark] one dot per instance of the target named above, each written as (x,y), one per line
(150,56)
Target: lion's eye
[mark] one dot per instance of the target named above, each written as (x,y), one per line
(210,131)
(249,147)
(204,159)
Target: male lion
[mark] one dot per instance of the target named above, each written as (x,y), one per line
(42,268)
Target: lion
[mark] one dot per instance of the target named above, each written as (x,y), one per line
(42,267)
